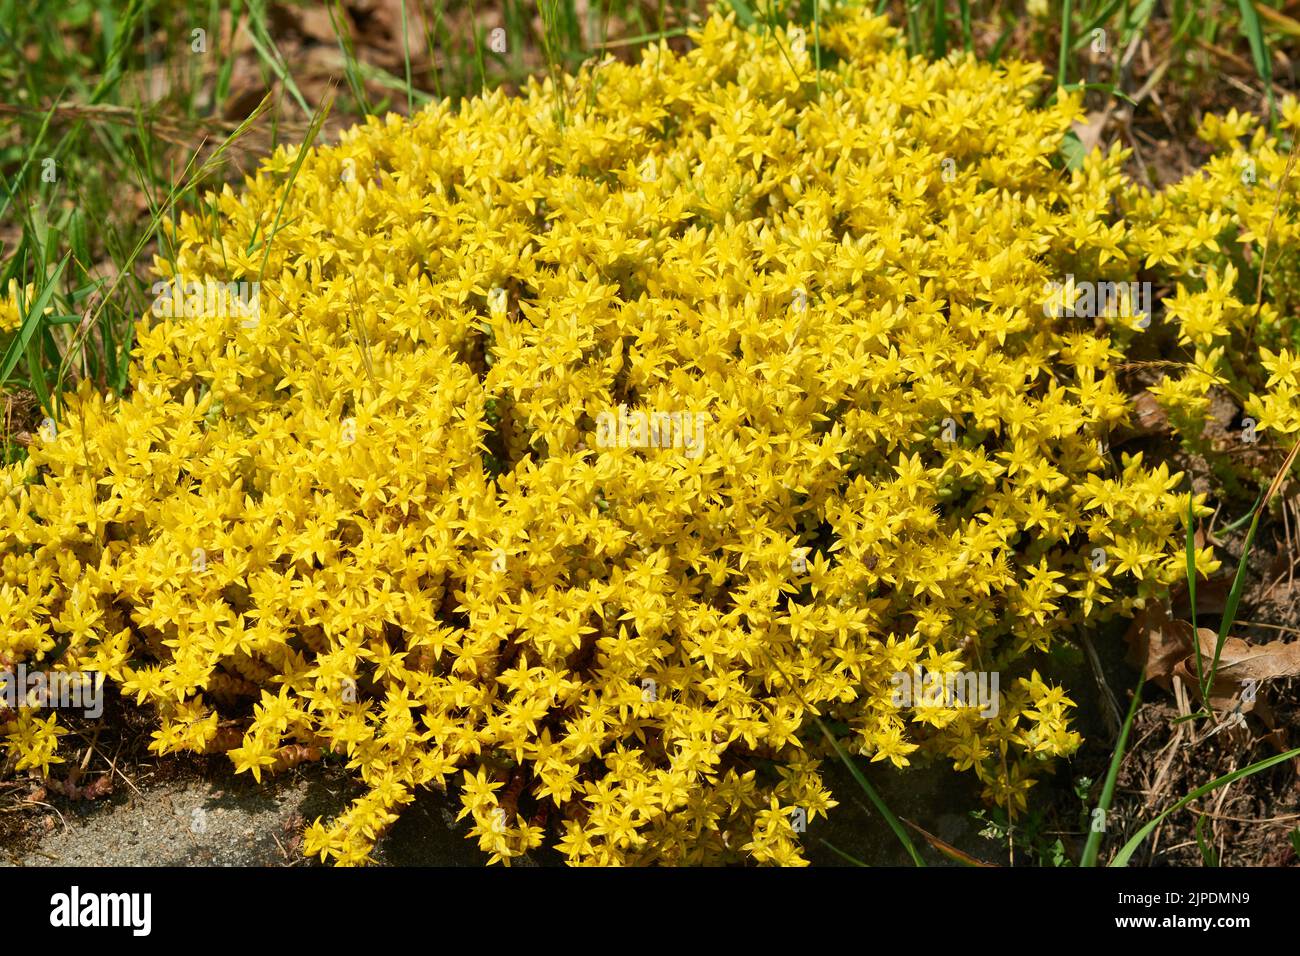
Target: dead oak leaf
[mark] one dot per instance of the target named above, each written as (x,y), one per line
(1157,642)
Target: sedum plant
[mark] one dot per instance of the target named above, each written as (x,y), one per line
(1227,242)
(582,447)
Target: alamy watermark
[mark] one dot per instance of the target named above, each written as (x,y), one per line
(74,908)
(1087,299)
(652,429)
(71,690)
(976,689)
(208,299)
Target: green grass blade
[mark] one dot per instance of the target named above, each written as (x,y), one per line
(35,366)
(270,53)
(995,53)
(29,158)
(406,62)
(842,855)
(1241,522)
(1106,12)
(1093,844)
(1066,13)
(1126,852)
(117,53)
(227,68)
(1230,608)
(1137,22)
(1239,580)
(743,12)
(351,71)
(817,42)
(184,185)
(317,121)
(1208,856)
(872,795)
(31,321)
(1259,51)
(646,38)
(1191,588)
(939,47)
(1110,89)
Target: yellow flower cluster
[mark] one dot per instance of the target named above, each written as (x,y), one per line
(1208,238)
(584,446)
(11,304)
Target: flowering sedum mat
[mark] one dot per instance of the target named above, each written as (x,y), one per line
(582,447)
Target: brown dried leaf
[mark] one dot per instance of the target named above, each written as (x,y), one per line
(1241,661)
(1211,596)
(311,23)
(1157,642)
(99,787)
(1089,131)
(1163,645)
(1148,417)
(1226,690)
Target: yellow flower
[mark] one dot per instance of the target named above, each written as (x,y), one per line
(579,464)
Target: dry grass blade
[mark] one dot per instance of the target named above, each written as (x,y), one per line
(947,849)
